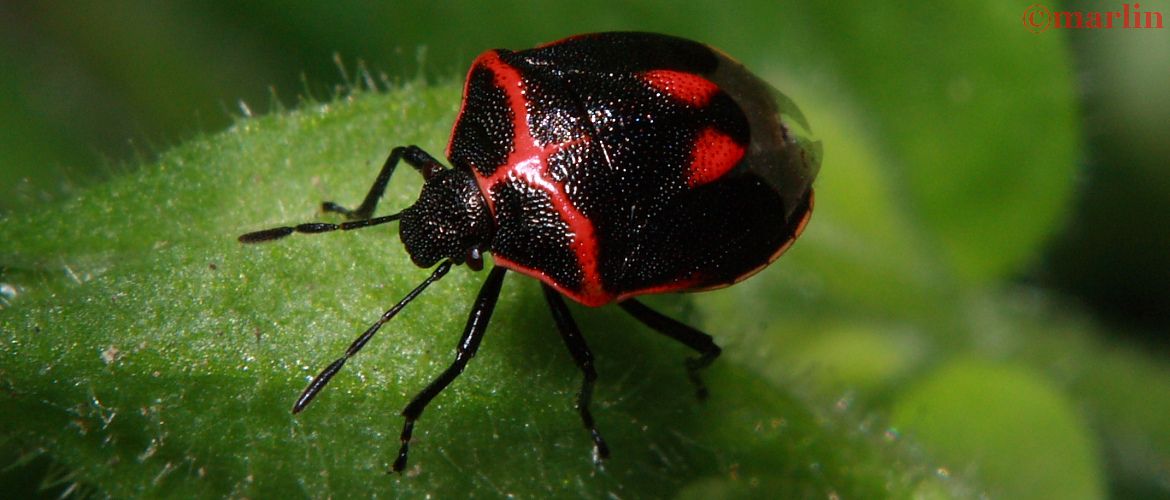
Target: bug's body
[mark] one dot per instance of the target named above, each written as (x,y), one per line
(621,164)
(607,166)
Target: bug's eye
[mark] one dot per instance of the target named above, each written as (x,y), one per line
(431,170)
(474,259)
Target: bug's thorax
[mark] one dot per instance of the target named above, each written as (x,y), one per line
(450,220)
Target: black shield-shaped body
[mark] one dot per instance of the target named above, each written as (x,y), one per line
(619,164)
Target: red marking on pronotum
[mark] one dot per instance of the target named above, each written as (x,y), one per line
(529,161)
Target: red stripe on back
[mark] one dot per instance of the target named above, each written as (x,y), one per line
(528,162)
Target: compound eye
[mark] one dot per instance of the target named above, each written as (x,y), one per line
(430,170)
(474,259)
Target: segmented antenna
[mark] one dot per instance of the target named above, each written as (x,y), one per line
(277,233)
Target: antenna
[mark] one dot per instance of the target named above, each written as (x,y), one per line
(277,233)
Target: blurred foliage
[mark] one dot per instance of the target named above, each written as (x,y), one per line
(1114,252)
(892,352)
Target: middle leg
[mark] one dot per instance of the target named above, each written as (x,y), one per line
(584,358)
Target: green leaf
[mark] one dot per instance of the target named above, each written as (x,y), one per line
(149,353)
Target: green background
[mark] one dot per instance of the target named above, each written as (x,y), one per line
(979,305)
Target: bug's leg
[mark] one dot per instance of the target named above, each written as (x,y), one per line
(681,332)
(412,155)
(584,358)
(323,378)
(477,322)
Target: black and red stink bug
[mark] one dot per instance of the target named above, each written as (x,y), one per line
(606,166)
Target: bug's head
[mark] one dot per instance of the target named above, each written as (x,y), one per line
(450,220)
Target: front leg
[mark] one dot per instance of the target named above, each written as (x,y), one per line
(412,155)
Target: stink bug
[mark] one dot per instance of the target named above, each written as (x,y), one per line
(607,166)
